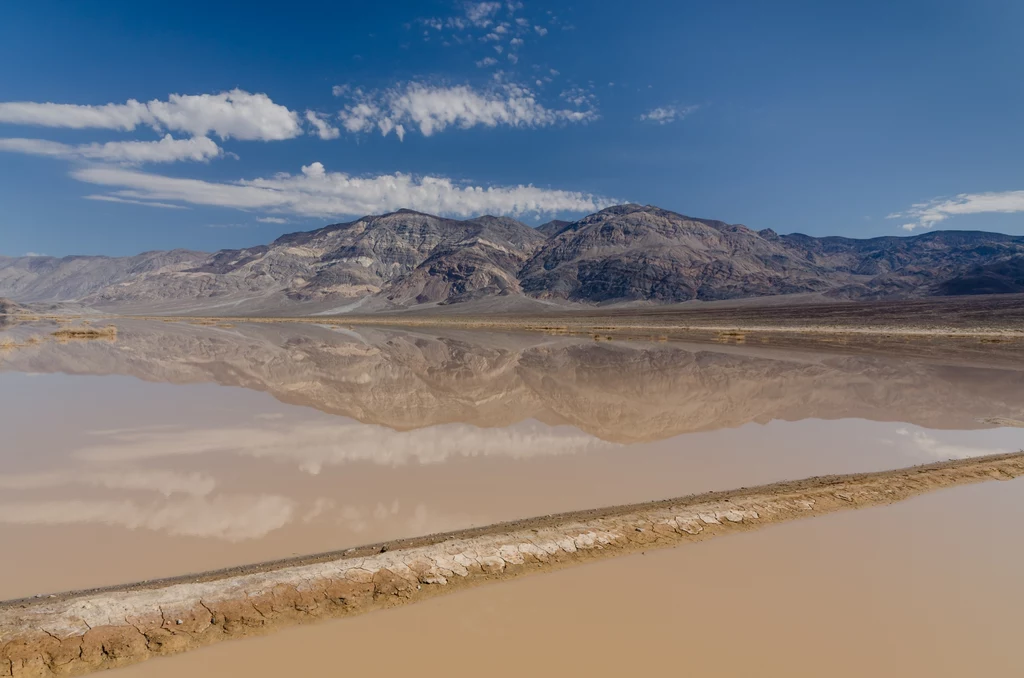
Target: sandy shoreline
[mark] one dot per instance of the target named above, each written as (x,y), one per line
(85,631)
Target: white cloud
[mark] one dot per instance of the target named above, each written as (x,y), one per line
(481,14)
(434,108)
(272,220)
(236,114)
(323,129)
(316,192)
(167,149)
(928,214)
(130,201)
(579,97)
(666,114)
(486,61)
(541,31)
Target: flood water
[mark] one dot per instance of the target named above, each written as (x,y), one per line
(930,587)
(181,448)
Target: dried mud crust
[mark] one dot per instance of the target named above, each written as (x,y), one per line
(76,633)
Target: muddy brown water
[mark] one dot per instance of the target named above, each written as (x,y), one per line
(929,587)
(182,448)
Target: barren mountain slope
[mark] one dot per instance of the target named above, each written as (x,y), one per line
(632,252)
(626,253)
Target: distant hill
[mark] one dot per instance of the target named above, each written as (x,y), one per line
(8,307)
(625,253)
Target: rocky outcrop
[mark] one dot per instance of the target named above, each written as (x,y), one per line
(626,253)
(629,253)
(552,228)
(1004,276)
(79,633)
(484,261)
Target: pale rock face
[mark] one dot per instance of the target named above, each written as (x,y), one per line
(623,253)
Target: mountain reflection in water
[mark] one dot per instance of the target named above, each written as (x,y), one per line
(619,392)
(182,447)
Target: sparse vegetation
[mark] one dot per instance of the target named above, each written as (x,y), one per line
(9,344)
(732,336)
(109,332)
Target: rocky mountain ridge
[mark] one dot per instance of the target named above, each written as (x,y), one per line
(626,253)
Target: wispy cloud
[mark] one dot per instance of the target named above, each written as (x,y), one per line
(928,214)
(235,114)
(321,127)
(481,13)
(663,115)
(492,23)
(433,109)
(272,220)
(168,149)
(131,201)
(316,192)
(473,15)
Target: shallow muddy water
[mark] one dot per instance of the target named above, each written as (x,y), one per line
(929,587)
(181,448)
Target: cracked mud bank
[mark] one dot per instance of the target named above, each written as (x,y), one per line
(77,633)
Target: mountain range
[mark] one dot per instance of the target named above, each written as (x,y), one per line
(626,253)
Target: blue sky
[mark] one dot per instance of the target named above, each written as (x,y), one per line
(249,120)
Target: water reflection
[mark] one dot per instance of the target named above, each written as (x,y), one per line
(619,392)
(311,444)
(187,447)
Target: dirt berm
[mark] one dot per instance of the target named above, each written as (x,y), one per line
(75,633)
